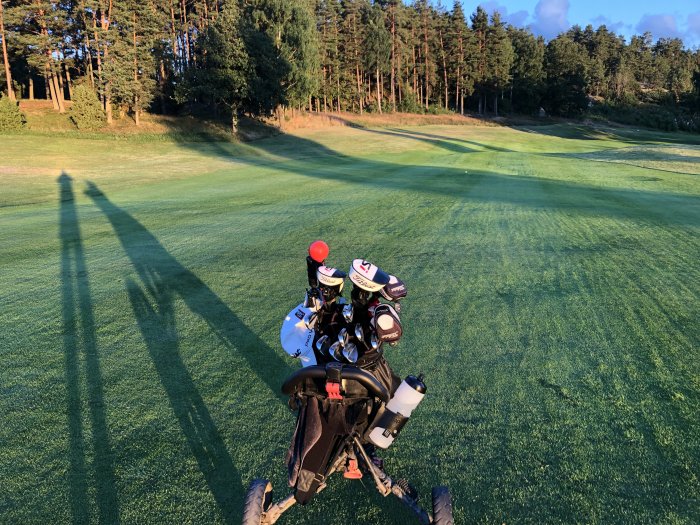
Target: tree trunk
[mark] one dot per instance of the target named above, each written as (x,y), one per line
(234,121)
(359,88)
(137,109)
(457,77)
(69,81)
(393,59)
(444,68)
(100,90)
(495,104)
(338,85)
(379,96)
(108,103)
(173,36)
(325,98)
(183,17)
(425,58)
(8,75)
(31,87)
(162,87)
(51,88)
(57,89)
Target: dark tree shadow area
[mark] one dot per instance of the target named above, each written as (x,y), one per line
(628,135)
(80,348)
(162,279)
(308,158)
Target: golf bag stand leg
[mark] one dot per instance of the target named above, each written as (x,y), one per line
(386,486)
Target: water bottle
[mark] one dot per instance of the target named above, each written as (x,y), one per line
(407,397)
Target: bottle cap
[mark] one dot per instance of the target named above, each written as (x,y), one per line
(416,384)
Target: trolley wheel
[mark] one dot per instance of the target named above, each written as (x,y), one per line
(257,501)
(442,506)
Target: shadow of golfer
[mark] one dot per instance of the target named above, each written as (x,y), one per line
(162,279)
(79,343)
(156,319)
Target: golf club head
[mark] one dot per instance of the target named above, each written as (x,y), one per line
(374,341)
(350,353)
(321,342)
(347,313)
(359,333)
(343,337)
(336,351)
(311,321)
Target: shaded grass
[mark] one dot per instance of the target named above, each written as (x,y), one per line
(553,304)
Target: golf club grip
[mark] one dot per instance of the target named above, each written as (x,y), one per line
(349,373)
(311,267)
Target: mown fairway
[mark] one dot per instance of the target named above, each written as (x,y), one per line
(554,306)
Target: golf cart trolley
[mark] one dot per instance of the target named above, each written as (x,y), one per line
(348,401)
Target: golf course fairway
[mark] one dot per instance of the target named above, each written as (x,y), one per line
(553,305)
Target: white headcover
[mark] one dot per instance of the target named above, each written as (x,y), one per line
(367,276)
(296,337)
(330,276)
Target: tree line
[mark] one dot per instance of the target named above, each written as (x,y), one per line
(260,56)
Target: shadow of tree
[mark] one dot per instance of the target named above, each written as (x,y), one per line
(633,136)
(80,344)
(311,159)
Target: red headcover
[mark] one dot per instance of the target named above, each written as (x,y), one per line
(318,250)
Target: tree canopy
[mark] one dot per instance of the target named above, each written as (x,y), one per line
(256,56)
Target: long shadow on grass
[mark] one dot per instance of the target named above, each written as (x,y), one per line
(79,341)
(163,279)
(157,324)
(628,135)
(154,263)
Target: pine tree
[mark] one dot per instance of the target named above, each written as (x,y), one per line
(86,111)
(11,118)
(41,28)
(461,51)
(291,28)
(565,66)
(352,38)
(480,27)
(222,75)
(5,59)
(499,58)
(377,49)
(527,71)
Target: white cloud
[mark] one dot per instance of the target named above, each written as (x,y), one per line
(551,17)
(660,26)
(615,27)
(516,19)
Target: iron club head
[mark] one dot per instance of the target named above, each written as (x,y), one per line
(350,353)
(347,313)
(359,333)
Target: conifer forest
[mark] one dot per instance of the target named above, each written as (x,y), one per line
(261,56)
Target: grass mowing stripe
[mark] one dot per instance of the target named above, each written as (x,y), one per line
(551,303)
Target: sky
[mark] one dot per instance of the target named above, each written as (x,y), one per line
(669,18)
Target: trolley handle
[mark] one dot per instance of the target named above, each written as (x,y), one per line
(347,372)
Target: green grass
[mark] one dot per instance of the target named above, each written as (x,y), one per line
(554,306)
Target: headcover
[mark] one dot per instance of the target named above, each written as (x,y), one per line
(386,323)
(297,335)
(395,289)
(367,276)
(330,276)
